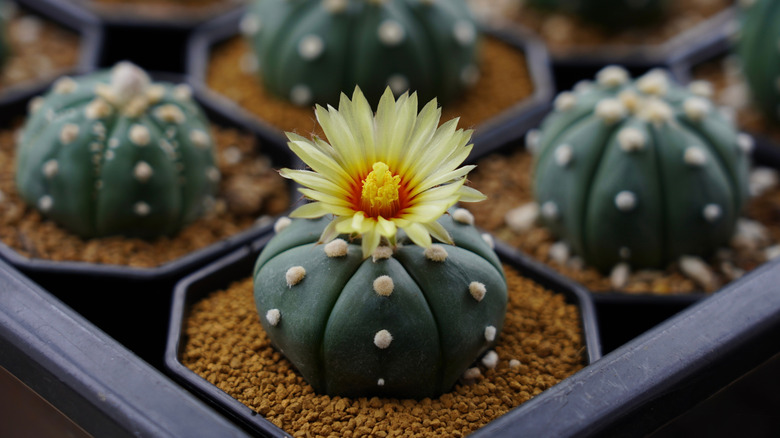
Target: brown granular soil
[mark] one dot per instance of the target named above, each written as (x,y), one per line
(162,10)
(567,34)
(227,346)
(504,81)
(250,188)
(40,50)
(507,181)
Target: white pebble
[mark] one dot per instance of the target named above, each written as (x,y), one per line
(559,253)
(618,278)
(490,360)
(521,219)
(701,273)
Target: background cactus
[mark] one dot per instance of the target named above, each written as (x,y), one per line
(759,49)
(639,171)
(112,153)
(403,323)
(4,47)
(311,50)
(609,13)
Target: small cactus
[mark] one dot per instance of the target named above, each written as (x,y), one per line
(113,153)
(403,323)
(639,171)
(610,13)
(759,49)
(311,50)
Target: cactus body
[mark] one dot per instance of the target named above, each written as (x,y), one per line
(759,50)
(400,324)
(609,13)
(4,48)
(111,153)
(639,171)
(311,50)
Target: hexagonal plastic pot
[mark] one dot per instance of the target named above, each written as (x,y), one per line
(508,126)
(238,265)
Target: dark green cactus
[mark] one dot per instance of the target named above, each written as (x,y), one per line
(112,153)
(403,323)
(759,49)
(309,51)
(610,13)
(4,48)
(639,171)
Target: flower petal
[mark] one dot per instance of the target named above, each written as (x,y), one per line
(419,235)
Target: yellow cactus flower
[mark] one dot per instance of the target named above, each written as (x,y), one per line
(378,173)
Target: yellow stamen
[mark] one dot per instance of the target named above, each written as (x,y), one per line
(380,192)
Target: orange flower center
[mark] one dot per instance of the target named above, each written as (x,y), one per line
(382,193)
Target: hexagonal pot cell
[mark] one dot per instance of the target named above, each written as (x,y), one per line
(41,40)
(514,87)
(507,178)
(218,349)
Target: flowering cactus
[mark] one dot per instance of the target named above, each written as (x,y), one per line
(760,54)
(366,303)
(112,153)
(310,50)
(610,13)
(639,171)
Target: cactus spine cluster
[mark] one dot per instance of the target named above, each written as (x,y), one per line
(311,50)
(404,323)
(610,13)
(639,171)
(113,153)
(759,50)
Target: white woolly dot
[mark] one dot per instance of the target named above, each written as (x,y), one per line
(282,223)
(745,143)
(436,253)
(514,363)
(200,139)
(113,143)
(97,109)
(45,203)
(155,93)
(250,24)
(398,83)
(109,155)
(294,275)
(696,108)
(701,88)
(464,32)
(550,210)
(168,148)
(489,240)
(69,133)
(170,113)
(463,216)
(695,156)
(490,333)
(50,168)
(490,359)
(336,248)
(610,110)
(65,85)
(311,47)
(582,86)
(391,33)
(477,290)
(182,92)
(563,155)
(35,104)
(382,253)
(532,138)
(141,208)
(472,373)
(612,76)
(380,382)
(212,173)
(335,6)
(656,111)
(712,212)
(273,317)
(470,75)
(625,200)
(565,101)
(383,285)
(143,171)
(631,139)
(139,135)
(382,339)
(301,95)
(654,83)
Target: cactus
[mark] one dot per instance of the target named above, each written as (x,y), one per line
(610,13)
(403,323)
(311,50)
(112,153)
(4,47)
(639,171)
(759,50)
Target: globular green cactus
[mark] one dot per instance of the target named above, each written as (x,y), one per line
(759,50)
(639,171)
(311,50)
(610,13)
(112,153)
(402,323)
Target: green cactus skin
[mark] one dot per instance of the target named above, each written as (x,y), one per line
(309,51)
(610,13)
(759,49)
(333,324)
(4,47)
(639,171)
(112,153)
